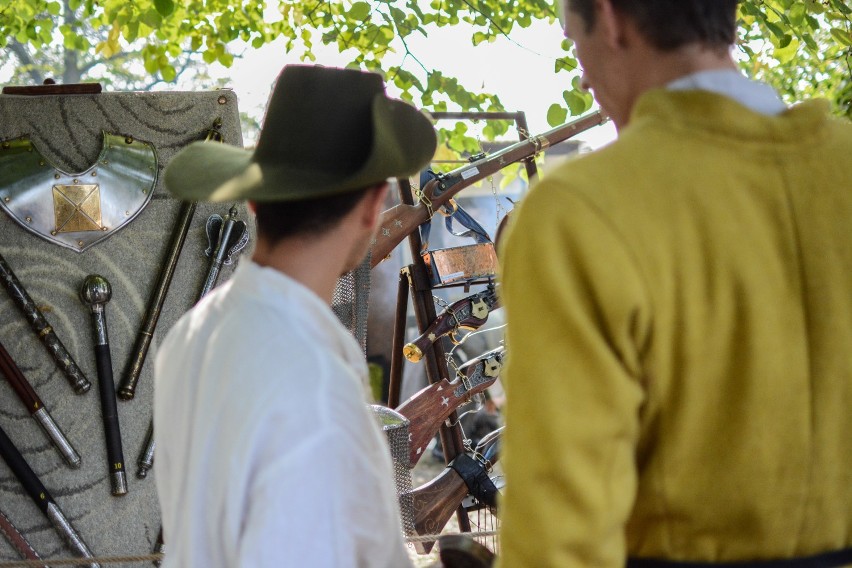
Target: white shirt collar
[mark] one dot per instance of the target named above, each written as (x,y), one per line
(757,96)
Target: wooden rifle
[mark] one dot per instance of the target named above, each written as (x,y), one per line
(468,313)
(430,406)
(435,501)
(401,220)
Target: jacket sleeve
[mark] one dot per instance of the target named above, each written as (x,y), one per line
(578,320)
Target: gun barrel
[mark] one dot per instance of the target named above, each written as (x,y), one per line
(400,220)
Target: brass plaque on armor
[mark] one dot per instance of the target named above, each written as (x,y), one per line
(77,208)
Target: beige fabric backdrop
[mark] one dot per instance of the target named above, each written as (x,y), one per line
(67,129)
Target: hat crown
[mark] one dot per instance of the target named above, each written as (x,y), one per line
(311,103)
(327,131)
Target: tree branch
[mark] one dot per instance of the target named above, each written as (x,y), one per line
(26,61)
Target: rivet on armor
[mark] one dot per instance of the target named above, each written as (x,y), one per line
(76,181)
(6,199)
(105,162)
(223,99)
(80,243)
(127,213)
(104,229)
(53,233)
(128,139)
(56,176)
(41,162)
(29,219)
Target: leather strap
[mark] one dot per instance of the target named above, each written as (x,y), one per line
(476,478)
(16,539)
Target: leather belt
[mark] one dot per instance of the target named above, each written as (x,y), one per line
(833,559)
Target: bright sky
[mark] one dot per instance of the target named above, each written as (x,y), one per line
(519,71)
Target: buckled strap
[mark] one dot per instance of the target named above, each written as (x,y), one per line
(476,478)
(833,559)
(452,211)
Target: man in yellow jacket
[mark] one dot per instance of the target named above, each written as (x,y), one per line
(679,308)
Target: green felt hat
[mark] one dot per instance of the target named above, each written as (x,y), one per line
(327,131)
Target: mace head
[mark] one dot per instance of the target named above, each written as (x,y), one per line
(95,290)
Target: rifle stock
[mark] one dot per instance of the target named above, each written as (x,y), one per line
(401,220)
(434,503)
(429,407)
(437,500)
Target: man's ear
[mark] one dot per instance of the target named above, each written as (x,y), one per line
(374,204)
(611,23)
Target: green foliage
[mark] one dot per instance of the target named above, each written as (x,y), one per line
(802,47)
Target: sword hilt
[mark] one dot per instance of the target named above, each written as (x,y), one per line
(226,238)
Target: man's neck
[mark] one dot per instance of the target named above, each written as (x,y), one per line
(316,261)
(648,68)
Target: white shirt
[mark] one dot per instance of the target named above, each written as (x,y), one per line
(267,451)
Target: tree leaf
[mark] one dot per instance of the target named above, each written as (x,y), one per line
(556,114)
(359,11)
(842,36)
(164,7)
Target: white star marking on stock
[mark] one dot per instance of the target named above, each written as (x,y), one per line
(445,401)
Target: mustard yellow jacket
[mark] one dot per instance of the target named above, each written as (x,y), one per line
(679,375)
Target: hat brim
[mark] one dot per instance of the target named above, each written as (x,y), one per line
(403,143)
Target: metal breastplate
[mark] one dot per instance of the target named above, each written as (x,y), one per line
(77,210)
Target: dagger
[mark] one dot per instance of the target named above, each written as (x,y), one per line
(42,498)
(43,329)
(27,395)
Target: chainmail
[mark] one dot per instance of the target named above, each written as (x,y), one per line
(351,300)
(395,427)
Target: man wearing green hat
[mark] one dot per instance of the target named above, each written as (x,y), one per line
(267,453)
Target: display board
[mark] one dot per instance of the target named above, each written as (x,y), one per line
(83,194)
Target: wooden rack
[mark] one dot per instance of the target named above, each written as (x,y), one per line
(414,281)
